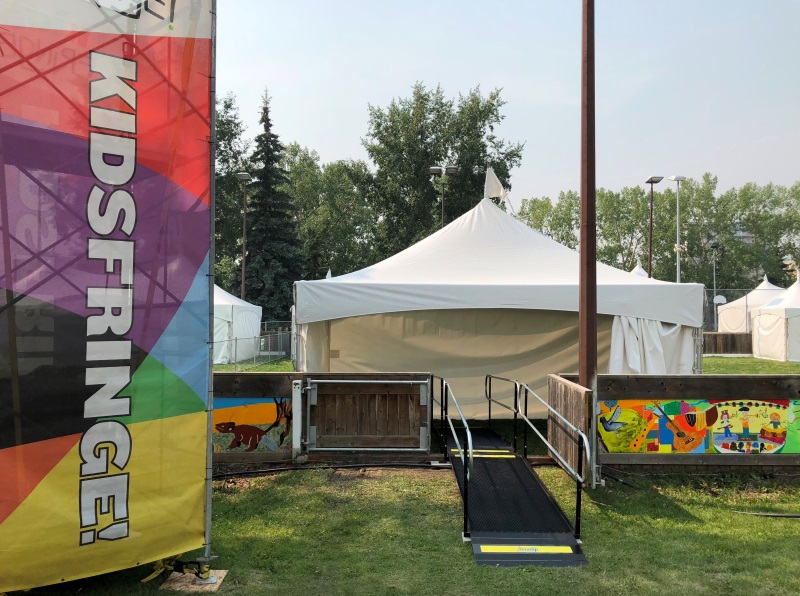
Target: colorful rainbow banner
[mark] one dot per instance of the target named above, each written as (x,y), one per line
(105,173)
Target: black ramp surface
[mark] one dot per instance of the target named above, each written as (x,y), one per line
(513,518)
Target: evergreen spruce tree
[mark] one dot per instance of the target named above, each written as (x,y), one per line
(274,255)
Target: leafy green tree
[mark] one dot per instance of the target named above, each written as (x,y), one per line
(412,134)
(560,221)
(231,155)
(334,211)
(535,212)
(754,227)
(274,255)
(623,227)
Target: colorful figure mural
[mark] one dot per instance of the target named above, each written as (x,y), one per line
(700,426)
(252,424)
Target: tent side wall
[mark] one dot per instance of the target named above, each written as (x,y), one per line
(237,328)
(223,331)
(769,336)
(733,320)
(462,345)
(793,337)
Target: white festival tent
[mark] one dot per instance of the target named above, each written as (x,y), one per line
(488,294)
(639,270)
(776,327)
(734,317)
(237,327)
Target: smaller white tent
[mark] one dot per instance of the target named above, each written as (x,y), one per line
(639,270)
(237,327)
(734,317)
(776,327)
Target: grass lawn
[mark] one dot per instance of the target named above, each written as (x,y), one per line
(282,365)
(715,365)
(396,531)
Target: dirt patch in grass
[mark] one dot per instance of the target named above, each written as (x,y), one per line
(351,474)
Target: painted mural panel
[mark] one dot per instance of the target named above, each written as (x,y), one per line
(700,426)
(252,425)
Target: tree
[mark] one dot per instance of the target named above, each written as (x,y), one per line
(231,154)
(274,255)
(408,137)
(559,221)
(623,221)
(536,213)
(754,227)
(335,218)
(565,219)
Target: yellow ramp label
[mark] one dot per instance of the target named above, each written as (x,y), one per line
(521,549)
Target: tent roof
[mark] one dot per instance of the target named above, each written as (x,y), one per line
(786,304)
(639,270)
(223,298)
(763,293)
(488,259)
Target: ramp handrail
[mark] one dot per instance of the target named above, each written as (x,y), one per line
(465,455)
(582,440)
(487,389)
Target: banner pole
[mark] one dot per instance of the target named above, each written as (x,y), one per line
(211,258)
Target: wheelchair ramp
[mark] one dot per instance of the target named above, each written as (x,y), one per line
(513,518)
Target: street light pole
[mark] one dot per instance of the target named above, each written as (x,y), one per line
(714,247)
(651,181)
(678,246)
(244,178)
(439,172)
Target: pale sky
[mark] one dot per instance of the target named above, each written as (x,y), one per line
(682,86)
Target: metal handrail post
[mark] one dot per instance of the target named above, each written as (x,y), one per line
(516,411)
(489,380)
(525,428)
(466,500)
(445,415)
(579,491)
(441,406)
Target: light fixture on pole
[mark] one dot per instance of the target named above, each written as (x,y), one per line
(714,247)
(439,172)
(678,246)
(244,178)
(651,181)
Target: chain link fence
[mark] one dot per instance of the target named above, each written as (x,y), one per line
(268,327)
(248,352)
(710,320)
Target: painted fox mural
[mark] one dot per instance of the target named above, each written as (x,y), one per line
(243,434)
(250,436)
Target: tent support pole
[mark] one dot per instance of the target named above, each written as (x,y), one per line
(207,557)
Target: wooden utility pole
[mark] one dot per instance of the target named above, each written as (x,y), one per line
(587,310)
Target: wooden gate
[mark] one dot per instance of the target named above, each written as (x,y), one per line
(368,411)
